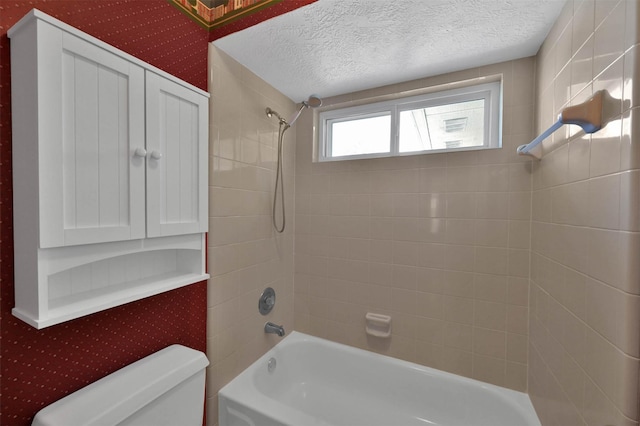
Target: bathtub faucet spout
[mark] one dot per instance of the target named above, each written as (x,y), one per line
(274,328)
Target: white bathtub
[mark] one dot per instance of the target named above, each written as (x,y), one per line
(318,382)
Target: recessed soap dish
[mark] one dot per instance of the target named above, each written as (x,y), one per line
(378,325)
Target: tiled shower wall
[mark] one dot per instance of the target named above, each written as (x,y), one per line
(439,242)
(585,303)
(245,253)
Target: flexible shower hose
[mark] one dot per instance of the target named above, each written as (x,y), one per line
(279,179)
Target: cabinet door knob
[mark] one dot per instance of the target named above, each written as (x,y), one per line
(156,155)
(140,152)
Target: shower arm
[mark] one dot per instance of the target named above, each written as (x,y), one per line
(271,113)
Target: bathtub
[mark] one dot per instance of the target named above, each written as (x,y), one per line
(305,380)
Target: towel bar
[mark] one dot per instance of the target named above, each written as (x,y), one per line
(587,115)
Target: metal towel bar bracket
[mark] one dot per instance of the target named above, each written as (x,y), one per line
(587,115)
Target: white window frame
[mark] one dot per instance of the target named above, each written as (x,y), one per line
(491,92)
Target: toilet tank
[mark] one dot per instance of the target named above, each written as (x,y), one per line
(165,388)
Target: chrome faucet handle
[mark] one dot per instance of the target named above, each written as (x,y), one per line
(267,301)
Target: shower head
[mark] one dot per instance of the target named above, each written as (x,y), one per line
(313,102)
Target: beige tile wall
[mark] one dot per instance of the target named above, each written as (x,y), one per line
(585,291)
(439,242)
(245,253)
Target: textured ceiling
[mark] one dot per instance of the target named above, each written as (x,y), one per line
(333,47)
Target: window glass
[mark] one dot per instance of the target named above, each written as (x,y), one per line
(459,119)
(443,127)
(361,136)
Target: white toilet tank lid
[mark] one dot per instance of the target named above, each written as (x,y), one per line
(115,397)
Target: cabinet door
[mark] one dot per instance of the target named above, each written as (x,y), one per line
(92,182)
(177,158)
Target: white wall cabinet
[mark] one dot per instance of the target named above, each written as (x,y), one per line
(177,153)
(110,174)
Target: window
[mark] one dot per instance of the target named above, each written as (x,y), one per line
(452,120)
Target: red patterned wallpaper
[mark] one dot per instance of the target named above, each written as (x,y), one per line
(39,367)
